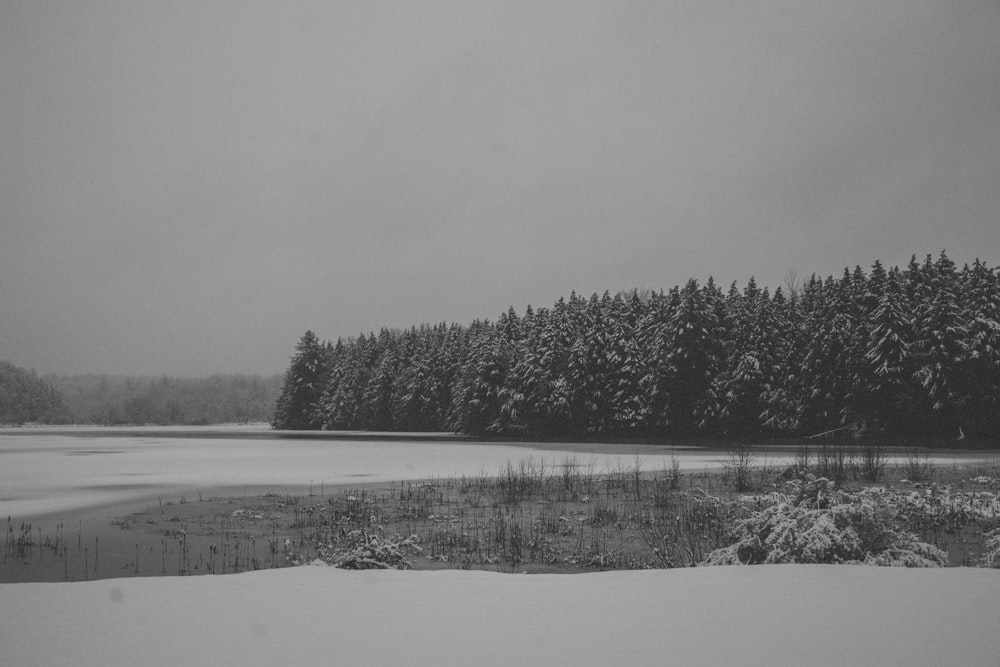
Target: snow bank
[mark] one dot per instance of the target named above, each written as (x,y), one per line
(762,615)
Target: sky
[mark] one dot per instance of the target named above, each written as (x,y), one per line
(187,187)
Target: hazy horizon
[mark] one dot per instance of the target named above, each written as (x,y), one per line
(188,187)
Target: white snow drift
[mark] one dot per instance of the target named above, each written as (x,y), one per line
(741,615)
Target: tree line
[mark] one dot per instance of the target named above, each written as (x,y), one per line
(912,351)
(25,397)
(115,400)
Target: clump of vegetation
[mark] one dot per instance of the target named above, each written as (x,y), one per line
(368,551)
(814,522)
(991,556)
(740,465)
(917,468)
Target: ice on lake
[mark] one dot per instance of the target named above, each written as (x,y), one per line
(44,471)
(52,470)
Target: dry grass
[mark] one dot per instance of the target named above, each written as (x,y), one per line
(531,515)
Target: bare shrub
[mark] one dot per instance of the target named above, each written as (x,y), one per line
(740,464)
(917,468)
(873,462)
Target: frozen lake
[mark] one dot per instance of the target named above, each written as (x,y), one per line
(51,470)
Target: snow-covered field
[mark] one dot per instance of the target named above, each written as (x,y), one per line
(760,615)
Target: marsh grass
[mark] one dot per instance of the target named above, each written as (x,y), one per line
(740,465)
(916,467)
(530,515)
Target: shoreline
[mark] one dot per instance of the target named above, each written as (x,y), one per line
(606,445)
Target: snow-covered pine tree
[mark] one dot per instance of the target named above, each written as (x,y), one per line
(981,370)
(416,393)
(476,397)
(298,403)
(693,358)
(592,370)
(375,411)
(886,386)
(654,342)
(753,359)
(940,345)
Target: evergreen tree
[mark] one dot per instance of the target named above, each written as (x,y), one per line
(784,399)
(830,367)
(655,344)
(940,345)
(415,397)
(593,370)
(376,402)
(477,397)
(304,382)
(628,406)
(693,359)
(753,360)
(886,384)
(981,370)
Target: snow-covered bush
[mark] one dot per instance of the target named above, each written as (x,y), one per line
(991,555)
(366,551)
(940,507)
(816,523)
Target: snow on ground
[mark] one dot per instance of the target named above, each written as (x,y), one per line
(761,615)
(774,615)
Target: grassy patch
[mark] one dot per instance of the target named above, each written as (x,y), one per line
(531,515)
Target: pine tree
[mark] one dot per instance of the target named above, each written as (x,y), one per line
(752,362)
(535,399)
(693,359)
(593,368)
(477,396)
(981,370)
(625,356)
(940,344)
(654,341)
(304,382)
(784,397)
(886,383)
(416,393)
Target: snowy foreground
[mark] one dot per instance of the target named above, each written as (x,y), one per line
(761,615)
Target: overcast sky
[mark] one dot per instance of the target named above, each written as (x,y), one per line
(186,187)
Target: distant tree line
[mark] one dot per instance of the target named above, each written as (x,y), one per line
(119,400)
(25,397)
(909,352)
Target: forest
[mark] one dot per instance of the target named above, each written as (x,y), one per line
(25,397)
(113,400)
(116,400)
(912,352)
